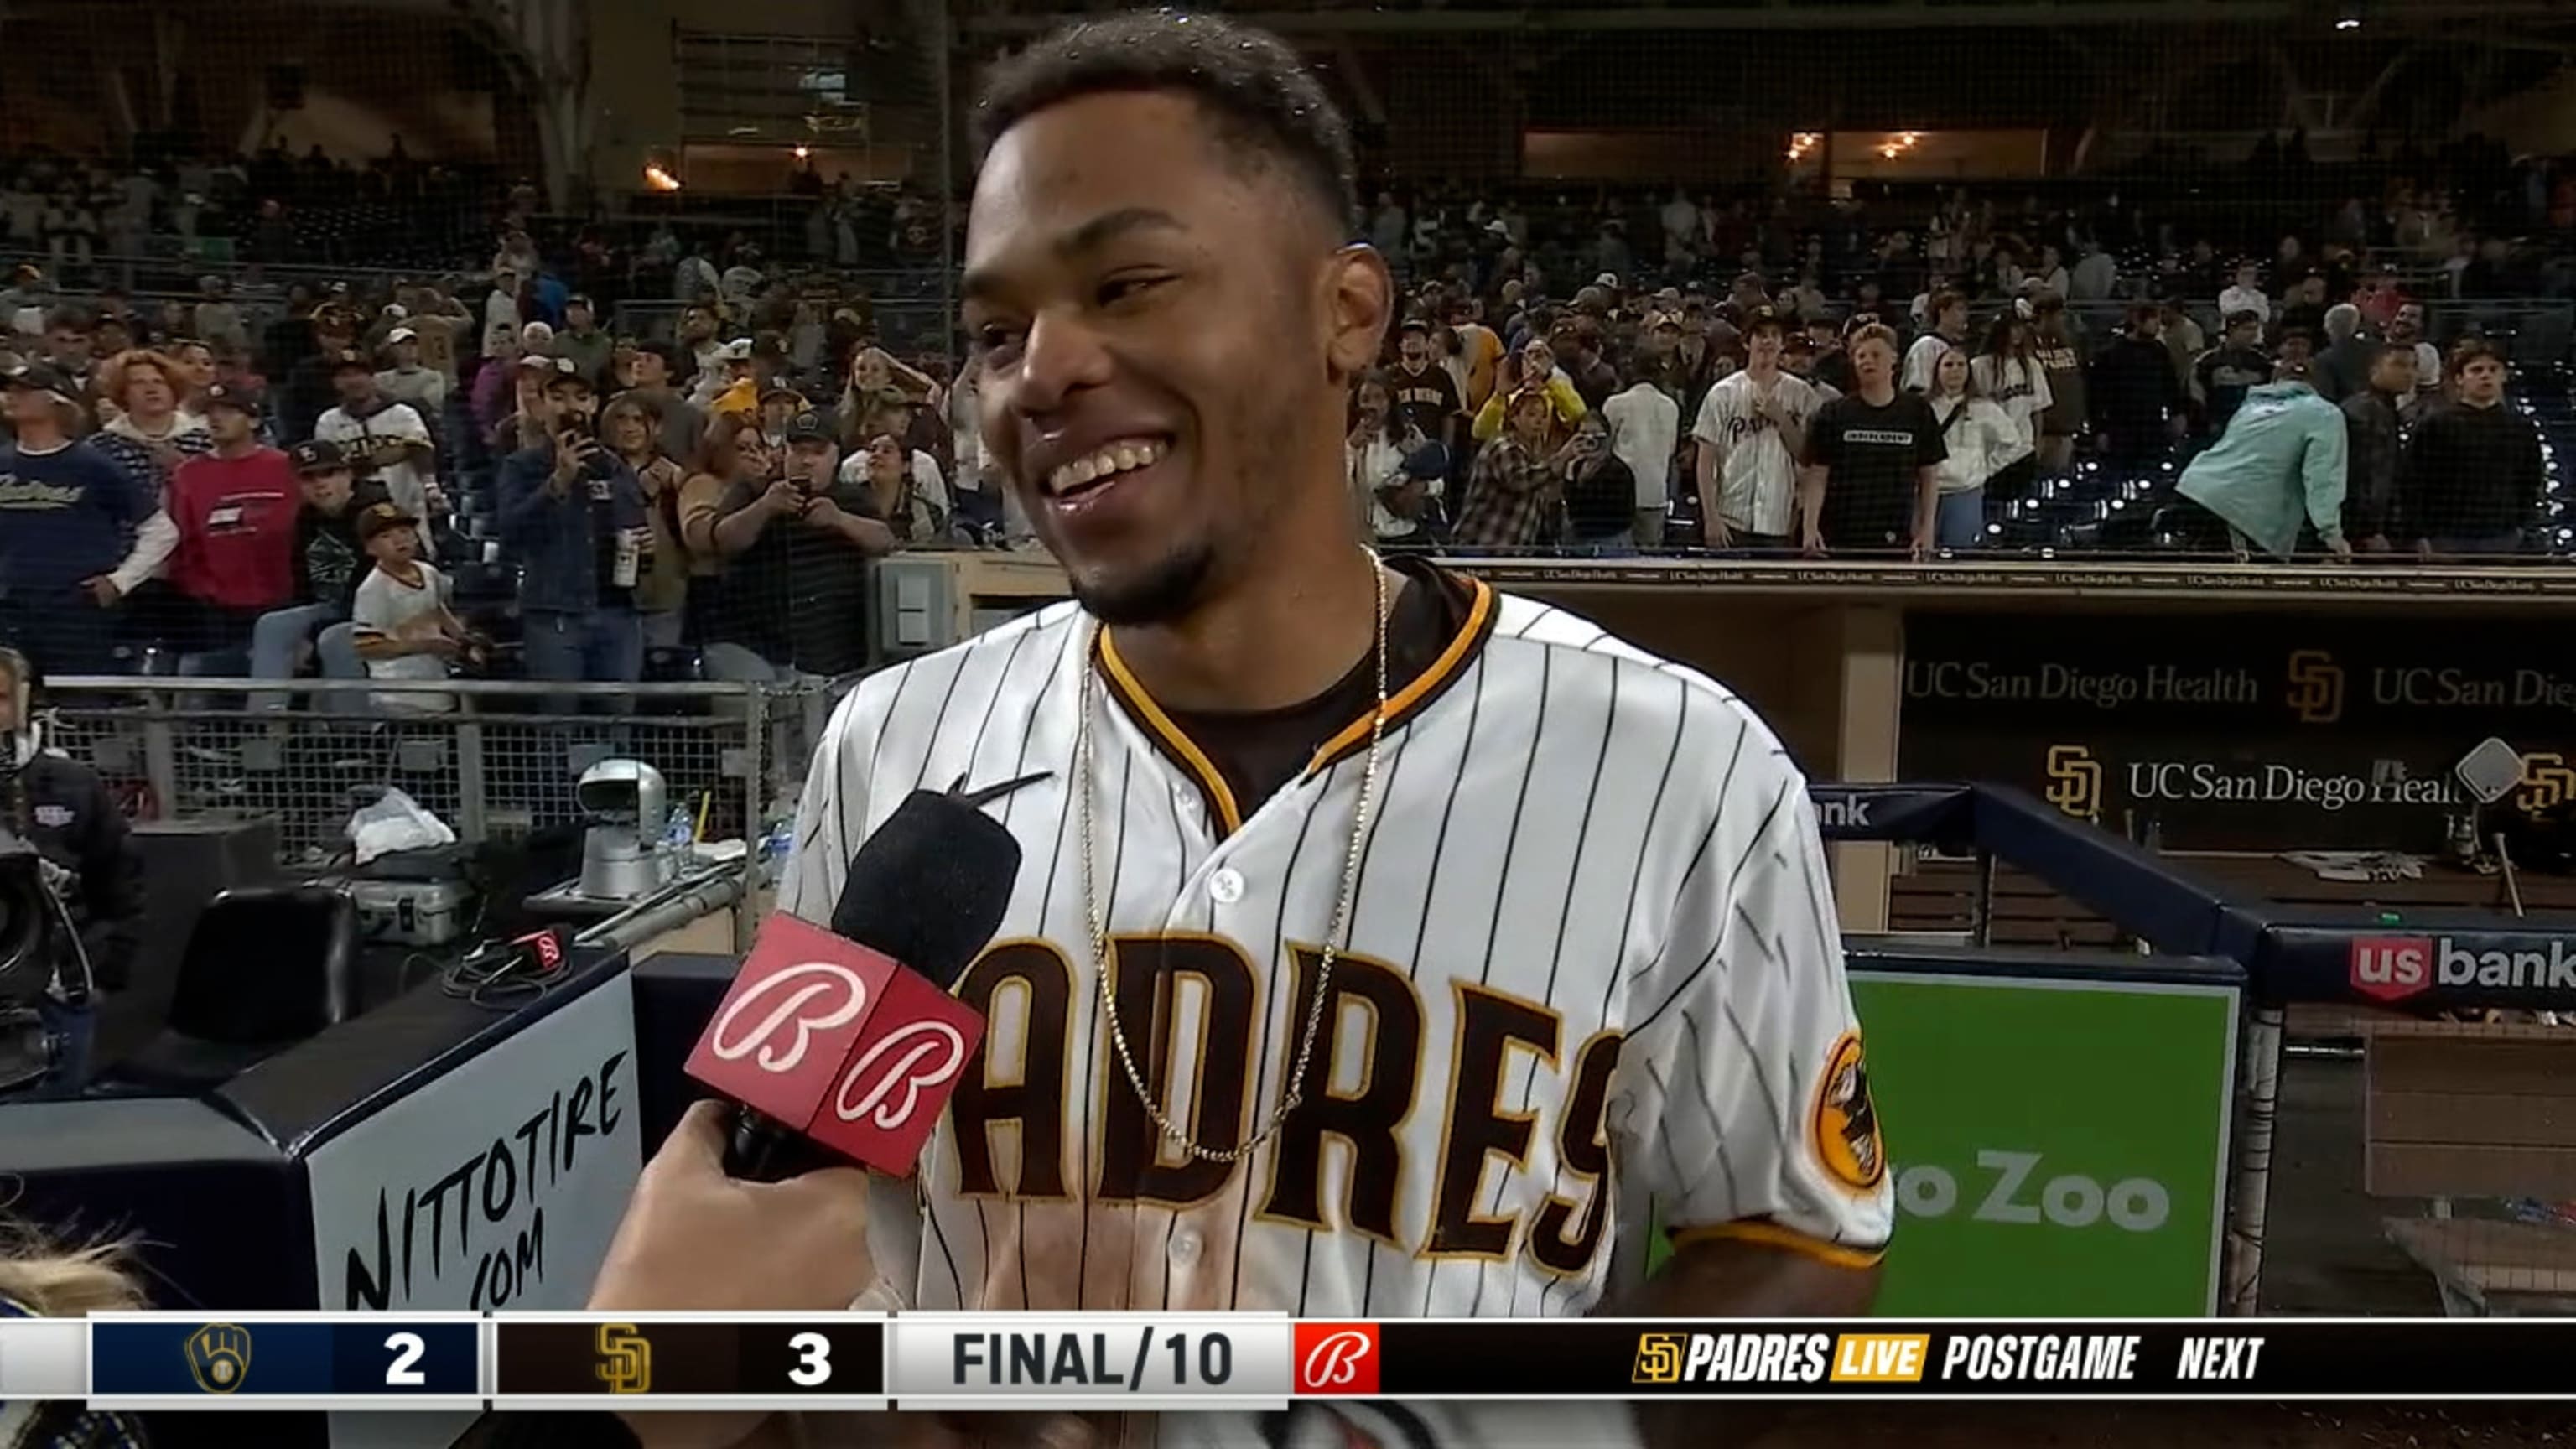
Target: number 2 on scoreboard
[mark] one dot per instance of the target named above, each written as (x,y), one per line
(403,1372)
(813,1360)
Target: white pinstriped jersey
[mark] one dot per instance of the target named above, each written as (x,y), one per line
(1593,965)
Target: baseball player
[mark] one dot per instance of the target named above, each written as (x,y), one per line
(1383,946)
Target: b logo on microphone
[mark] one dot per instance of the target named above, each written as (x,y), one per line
(838,1042)
(1337,1358)
(937,1044)
(810,981)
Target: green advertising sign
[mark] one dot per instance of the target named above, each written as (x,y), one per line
(2059,1146)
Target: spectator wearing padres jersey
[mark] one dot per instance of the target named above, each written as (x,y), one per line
(1752,428)
(1870,479)
(2009,374)
(1534,926)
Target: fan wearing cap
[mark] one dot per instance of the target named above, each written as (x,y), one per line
(778,403)
(312,382)
(1751,430)
(581,339)
(651,378)
(406,379)
(572,515)
(1425,395)
(235,511)
(77,532)
(794,594)
(326,562)
(384,440)
(405,627)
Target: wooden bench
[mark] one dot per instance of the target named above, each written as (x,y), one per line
(2463,1110)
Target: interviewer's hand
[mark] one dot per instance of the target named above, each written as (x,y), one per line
(694,1239)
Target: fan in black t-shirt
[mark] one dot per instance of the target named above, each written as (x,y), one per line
(1425,395)
(1868,481)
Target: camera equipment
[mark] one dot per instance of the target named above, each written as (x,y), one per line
(44,970)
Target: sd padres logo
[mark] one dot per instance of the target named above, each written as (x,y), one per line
(1659,1359)
(2316,687)
(625,1359)
(218,1357)
(2547,785)
(2075,781)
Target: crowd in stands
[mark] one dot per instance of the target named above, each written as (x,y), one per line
(394,480)
(387,474)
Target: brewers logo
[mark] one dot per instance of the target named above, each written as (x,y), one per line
(218,1357)
(2316,687)
(2547,785)
(625,1359)
(2075,781)
(1659,1359)
(1846,1121)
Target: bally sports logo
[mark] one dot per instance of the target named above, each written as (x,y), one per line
(2392,968)
(1337,1358)
(917,1056)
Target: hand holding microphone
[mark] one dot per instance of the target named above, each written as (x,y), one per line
(822,1034)
(847,1040)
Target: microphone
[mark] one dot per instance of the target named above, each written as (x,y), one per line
(847,1039)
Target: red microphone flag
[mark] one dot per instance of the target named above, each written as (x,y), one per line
(839,1043)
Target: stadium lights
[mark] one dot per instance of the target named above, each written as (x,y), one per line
(1804,144)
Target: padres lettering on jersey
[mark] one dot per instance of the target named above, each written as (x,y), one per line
(1592,967)
(1756,476)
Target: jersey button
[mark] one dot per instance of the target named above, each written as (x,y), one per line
(1226,886)
(1185,1247)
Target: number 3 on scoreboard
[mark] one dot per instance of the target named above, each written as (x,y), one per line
(813,1360)
(404,1371)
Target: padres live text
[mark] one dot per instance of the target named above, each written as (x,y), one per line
(859,1361)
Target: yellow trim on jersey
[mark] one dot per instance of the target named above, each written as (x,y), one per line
(1210,778)
(1480,614)
(1479,610)
(1772,1235)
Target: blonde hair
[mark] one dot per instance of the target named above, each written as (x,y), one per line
(53,1281)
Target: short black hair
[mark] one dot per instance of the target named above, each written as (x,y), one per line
(1265,103)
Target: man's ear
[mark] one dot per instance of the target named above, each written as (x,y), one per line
(1359,302)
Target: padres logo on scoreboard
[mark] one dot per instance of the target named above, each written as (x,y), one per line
(218,1357)
(625,1359)
(1659,1359)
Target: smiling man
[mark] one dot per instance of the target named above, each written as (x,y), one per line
(1383,946)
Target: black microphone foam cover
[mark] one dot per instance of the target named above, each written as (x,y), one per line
(930,886)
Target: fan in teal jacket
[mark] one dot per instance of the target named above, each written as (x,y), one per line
(2279,464)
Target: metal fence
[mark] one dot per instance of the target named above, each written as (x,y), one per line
(500,761)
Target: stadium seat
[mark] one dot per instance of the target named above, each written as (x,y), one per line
(266,967)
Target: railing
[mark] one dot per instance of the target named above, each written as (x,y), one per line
(500,762)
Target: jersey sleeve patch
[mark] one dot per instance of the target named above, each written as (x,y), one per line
(1843,1127)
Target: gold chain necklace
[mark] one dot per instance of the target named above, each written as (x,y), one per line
(1098,919)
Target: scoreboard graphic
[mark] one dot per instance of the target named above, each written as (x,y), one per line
(683,1361)
(305,1360)
(1146,1361)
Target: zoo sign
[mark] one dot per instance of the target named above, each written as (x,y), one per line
(2058,1145)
